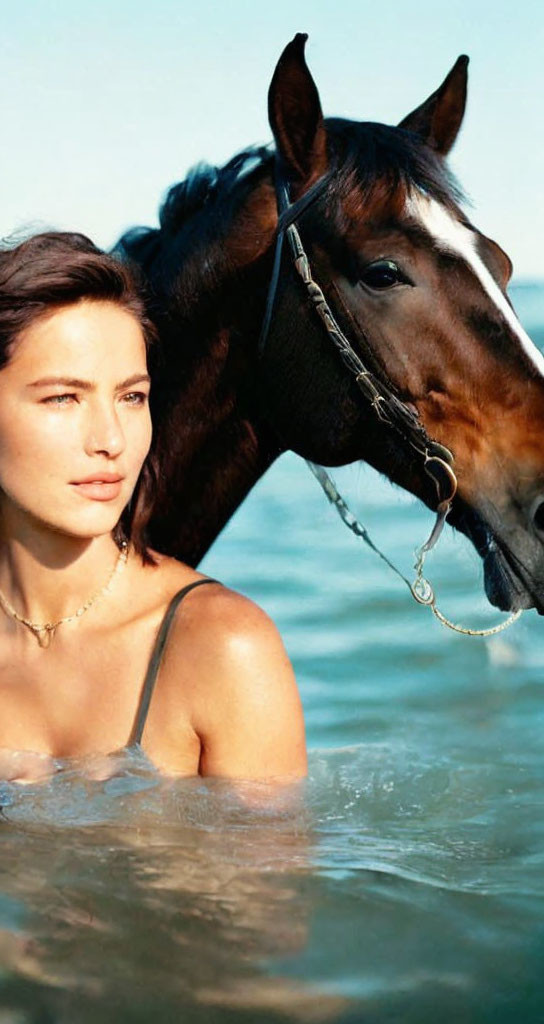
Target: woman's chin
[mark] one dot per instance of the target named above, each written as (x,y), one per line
(84,527)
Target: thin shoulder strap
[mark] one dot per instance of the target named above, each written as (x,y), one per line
(156,658)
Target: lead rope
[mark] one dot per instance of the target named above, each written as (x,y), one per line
(420,589)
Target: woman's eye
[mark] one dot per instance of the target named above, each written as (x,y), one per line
(383,274)
(58,399)
(135,398)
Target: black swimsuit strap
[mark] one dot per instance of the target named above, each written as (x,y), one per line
(156,658)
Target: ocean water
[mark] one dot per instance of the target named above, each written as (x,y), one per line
(404,881)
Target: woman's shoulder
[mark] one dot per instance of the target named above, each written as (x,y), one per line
(224,620)
(211,614)
(226,659)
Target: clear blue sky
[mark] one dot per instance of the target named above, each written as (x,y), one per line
(105,104)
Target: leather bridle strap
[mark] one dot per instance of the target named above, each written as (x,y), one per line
(287,213)
(388,408)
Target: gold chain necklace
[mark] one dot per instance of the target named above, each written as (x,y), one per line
(44,632)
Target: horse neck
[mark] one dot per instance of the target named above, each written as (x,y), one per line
(210,440)
(212,445)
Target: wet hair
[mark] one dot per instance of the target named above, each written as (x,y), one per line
(55,269)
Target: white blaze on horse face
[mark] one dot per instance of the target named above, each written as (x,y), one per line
(453,237)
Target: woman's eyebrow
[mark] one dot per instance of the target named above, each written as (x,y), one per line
(88,385)
(138,378)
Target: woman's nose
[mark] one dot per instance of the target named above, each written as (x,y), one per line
(105,434)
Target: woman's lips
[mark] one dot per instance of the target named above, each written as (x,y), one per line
(99,490)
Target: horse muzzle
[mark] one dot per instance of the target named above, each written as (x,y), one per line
(512,555)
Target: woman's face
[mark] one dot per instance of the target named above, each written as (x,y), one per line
(73,407)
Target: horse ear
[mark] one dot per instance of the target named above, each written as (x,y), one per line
(438,120)
(295,116)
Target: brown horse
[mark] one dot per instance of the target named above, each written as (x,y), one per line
(418,290)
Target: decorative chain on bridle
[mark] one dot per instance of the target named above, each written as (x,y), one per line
(437,459)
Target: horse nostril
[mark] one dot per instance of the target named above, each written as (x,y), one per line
(538,516)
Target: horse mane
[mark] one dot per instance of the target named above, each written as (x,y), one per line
(206,189)
(207,185)
(196,214)
(378,156)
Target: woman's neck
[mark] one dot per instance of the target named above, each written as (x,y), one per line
(46,576)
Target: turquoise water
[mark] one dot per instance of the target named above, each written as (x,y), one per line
(405,880)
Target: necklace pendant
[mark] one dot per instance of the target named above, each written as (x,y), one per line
(44,635)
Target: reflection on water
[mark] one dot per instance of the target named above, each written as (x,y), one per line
(157,895)
(388,884)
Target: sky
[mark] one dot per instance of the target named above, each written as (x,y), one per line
(106,104)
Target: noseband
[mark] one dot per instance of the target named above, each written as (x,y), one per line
(394,414)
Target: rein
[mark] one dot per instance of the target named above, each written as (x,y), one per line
(437,459)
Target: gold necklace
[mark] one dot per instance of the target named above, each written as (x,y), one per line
(44,632)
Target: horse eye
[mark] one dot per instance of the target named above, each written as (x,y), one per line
(382,274)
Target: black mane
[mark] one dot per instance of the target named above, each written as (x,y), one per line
(206,189)
(197,213)
(369,152)
(207,185)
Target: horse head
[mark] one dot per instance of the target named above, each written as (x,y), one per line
(421,294)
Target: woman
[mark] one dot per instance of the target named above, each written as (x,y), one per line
(82,598)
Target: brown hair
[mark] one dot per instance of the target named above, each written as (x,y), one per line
(59,268)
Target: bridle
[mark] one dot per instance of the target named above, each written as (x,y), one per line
(390,410)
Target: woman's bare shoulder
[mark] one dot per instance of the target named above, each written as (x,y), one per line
(223,619)
(227,673)
(169,571)
(152,585)
(213,616)
(241,686)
